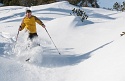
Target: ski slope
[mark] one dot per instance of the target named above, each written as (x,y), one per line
(92,50)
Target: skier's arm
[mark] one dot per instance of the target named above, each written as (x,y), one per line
(39,22)
(22,25)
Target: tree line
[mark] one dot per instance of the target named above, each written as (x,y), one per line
(119,7)
(85,3)
(25,2)
(28,3)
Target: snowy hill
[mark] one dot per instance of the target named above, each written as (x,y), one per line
(92,50)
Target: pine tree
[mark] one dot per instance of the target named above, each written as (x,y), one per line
(6,2)
(74,2)
(1,1)
(14,2)
(79,13)
(123,8)
(85,3)
(29,3)
(116,6)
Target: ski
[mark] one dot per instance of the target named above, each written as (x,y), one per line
(27,60)
(123,33)
(30,47)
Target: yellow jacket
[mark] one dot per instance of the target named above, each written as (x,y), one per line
(30,23)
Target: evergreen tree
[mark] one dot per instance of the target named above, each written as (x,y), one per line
(14,2)
(85,3)
(29,3)
(6,2)
(74,2)
(79,13)
(1,1)
(45,1)
(123,6)
(116,6)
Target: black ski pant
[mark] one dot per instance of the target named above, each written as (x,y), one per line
(32,36)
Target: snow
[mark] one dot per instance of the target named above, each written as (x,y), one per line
(92,50)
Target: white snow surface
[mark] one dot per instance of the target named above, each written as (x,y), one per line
(92,50)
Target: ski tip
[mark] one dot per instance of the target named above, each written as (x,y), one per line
(121,34)
(27,59)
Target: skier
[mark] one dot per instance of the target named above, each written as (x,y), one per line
(29,23)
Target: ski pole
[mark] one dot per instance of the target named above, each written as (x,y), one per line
(16,39)
(52,41)
(17,36)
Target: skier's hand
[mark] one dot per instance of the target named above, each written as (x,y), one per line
(20,28)
(43,26)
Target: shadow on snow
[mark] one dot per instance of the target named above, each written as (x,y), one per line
(12,16)
(2,45)
(67,60)
(50,11)
(51,59)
